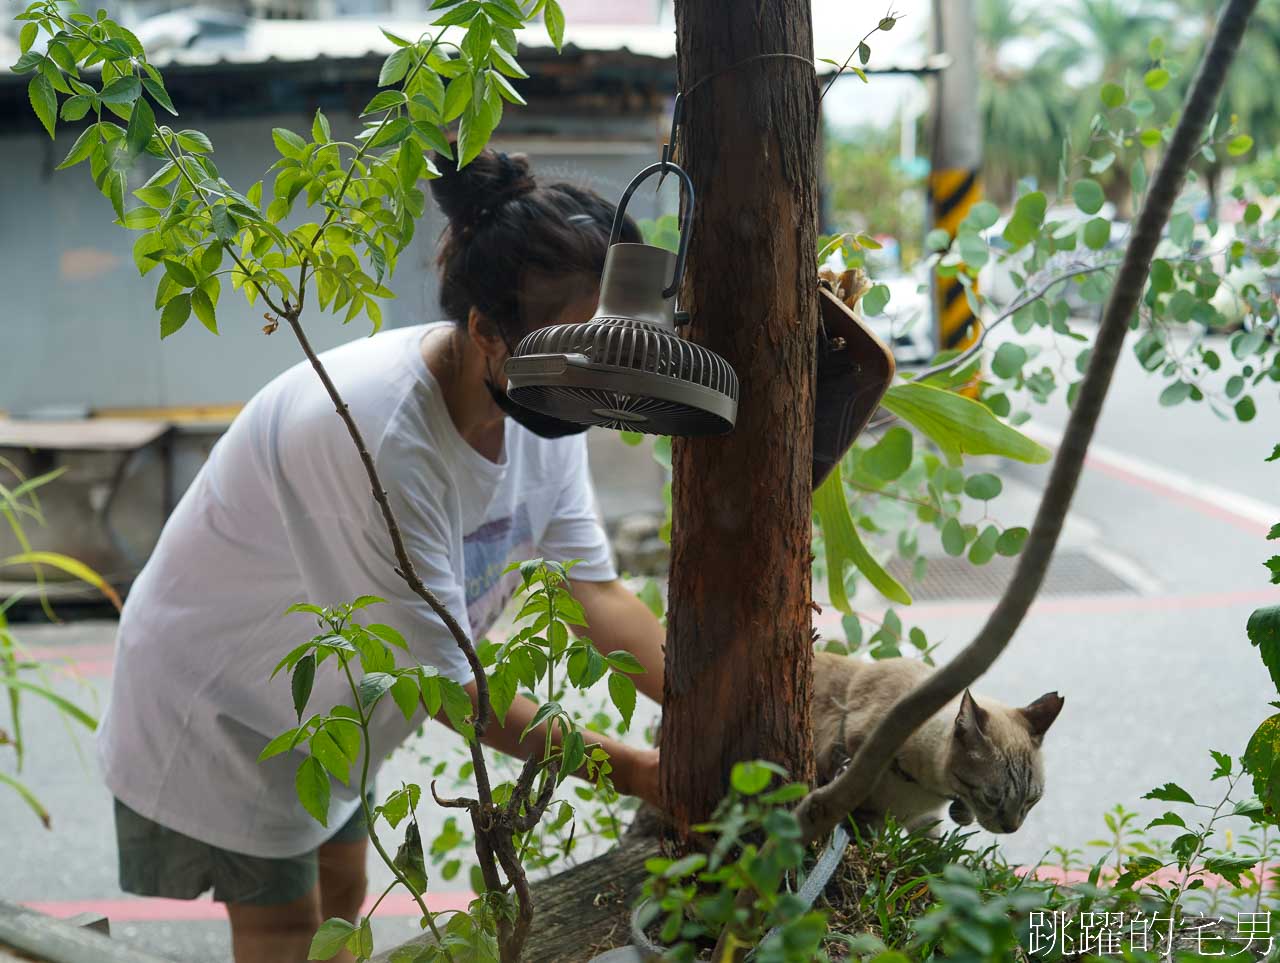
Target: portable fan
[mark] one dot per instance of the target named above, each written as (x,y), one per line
(626,368)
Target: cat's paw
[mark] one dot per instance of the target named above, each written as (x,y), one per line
(960,813)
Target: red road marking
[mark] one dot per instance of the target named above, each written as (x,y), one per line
(139,910)
(1080,604)
(1202,505)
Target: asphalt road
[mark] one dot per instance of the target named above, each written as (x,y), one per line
(1174,501)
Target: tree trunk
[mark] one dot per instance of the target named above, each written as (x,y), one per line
(738,648)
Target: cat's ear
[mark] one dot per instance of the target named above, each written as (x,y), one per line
(971,721)
(1040,714)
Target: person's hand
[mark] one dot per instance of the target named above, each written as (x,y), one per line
(636,774)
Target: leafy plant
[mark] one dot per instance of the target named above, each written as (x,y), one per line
(20,672)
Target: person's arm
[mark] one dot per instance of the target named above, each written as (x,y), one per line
(635,771)
(617,619)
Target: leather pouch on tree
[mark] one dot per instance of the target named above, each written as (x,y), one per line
(854,371)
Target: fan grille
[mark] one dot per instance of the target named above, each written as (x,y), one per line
(624,374)
(637,346)
(620,411)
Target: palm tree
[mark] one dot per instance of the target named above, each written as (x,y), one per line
(1024,102)
(1252,93)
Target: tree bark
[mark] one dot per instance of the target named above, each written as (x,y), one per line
(738,663)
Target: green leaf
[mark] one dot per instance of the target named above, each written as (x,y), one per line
(82,148)
(281,743)
(179,272)
(1156,78)
(984,546)
(331,756)
(384,101)
(457,95)
(1024,224)
(194,141)
(1008,360)
(203,307)
(304,675)
(983,487)
(412,863)
(330,939)
(875,300)
(503,683)
(158,94)
(288,143)
(141,219)
(554,18)
(175,314)
(64,705)
(312,786)
(1229,867)
(1097,233)
(320,132)
(1011,541)
(889,457)
(953,539)
(1264,632)
(122,90)
(142,125)
(373,686)
(44,101)
(1240,144)
(474,130)
(960,425)
(1246,409)
(573,753)
(344,726)
(457,706)
(621,660)
(1261,760)
(844,546)
(27,36)
(73,108)
(395,67)
(1112,95)
(1170,792)
(750,778)
(623,693)
(388,635)
(405,692)
(1175,393)
(1088,196)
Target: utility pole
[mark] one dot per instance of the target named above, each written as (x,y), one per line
(955,174)
(739,654)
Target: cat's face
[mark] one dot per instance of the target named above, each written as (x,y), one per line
(994,760)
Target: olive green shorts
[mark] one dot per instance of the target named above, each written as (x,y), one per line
(155,861)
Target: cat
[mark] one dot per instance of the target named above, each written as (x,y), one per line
(984,759)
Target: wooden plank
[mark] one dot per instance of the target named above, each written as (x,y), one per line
(50,940)
(81,434)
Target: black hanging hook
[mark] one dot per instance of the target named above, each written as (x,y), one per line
(669,148)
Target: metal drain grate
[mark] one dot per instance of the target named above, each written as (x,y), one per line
(1070,573)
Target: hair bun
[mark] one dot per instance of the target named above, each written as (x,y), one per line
(469,195)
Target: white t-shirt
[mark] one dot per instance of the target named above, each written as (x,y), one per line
(282,512)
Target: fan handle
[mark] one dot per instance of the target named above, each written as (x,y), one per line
(687,208)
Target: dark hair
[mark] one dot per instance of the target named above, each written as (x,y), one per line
(517,251)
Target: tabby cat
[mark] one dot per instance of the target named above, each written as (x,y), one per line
(983,759)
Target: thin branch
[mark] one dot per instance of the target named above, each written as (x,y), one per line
(826,806)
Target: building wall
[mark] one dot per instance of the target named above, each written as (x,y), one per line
(79,326)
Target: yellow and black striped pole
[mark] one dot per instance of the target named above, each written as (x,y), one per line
(951,194)
(955,184)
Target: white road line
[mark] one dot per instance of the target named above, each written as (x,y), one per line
(1221,499)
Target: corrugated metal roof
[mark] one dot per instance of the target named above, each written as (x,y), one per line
(201,38)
